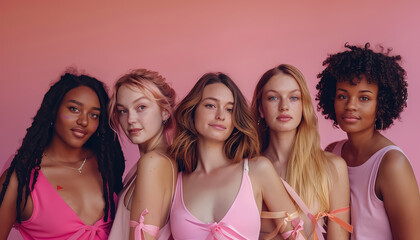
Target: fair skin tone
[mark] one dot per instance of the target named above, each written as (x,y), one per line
(216,180)
(396,186)
(282,111)
(77,120)
(141,120)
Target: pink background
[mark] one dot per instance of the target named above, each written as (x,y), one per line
(184,39)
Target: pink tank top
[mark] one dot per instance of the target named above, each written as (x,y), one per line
(368,215)
(242,221)
(52,218)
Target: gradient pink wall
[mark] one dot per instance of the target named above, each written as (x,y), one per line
(184,39)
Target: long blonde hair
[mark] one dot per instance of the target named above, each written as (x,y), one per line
(307,161)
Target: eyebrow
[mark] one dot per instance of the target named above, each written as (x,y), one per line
(81,104)
(362,91)
(136,100)
(296,90)
(215,99)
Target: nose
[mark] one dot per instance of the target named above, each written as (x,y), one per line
(284,105)
(351,104)
(220,114)
(83,119)
(131,117)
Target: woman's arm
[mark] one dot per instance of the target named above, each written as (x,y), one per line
(153,191)
(8,206)
(339,197)
(396,185)
(272,191)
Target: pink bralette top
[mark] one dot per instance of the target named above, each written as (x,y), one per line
(52,218)
(242,220)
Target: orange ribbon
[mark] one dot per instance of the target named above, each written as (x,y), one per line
(343,224)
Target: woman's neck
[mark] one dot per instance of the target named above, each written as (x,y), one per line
(210,156)
(63,153)
(280,147)
(158,143)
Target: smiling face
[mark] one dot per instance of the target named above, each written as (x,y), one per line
(139,116)
(213,115)
(355,105)
(78,117)
(281,104)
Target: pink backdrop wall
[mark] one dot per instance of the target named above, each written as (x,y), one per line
(184,39)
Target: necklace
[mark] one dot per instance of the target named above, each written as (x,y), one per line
(78,169)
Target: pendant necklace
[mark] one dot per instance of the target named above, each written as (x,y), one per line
(78,169)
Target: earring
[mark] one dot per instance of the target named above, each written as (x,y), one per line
(164,122)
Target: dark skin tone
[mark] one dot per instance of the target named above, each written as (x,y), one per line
(77,120)
(396,185)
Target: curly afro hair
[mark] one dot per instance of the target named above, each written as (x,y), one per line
(378,67)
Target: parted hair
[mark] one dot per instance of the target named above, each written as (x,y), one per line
(242,143)
(307,160)
(26,162)
(378,67)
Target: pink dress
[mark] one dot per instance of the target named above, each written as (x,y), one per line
(52,218)
(242,221)
(368,214)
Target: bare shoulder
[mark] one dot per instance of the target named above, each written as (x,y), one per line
(331,146)
(394,163)
(338,162)
(156,162)
(260,165)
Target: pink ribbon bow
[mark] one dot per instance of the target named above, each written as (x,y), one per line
(92,231)
(220,231)
(141,228)
(295,233)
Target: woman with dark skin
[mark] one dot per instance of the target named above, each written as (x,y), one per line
(63,181)
(363,92)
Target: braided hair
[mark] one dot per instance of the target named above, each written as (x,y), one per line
(103,143)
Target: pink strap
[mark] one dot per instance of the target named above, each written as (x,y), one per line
(141,228)
(220,231)
(295,233)
(319,230)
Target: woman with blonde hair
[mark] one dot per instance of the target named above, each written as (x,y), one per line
(141,105)
(288,132)
(220,192)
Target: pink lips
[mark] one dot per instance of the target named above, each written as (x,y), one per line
(134,131)
(218,126)
(350,118)
(78,132)
(284,118)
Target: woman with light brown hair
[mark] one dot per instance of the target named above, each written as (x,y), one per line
(288,132)
(223,183)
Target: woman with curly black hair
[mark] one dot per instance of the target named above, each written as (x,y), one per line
(363,92)
(63,180)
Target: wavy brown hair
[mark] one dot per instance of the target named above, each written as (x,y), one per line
(242,143)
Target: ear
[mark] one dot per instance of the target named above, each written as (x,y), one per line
(261,112)
(165,115)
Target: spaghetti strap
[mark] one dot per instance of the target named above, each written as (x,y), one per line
(246,166)
(173,183)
